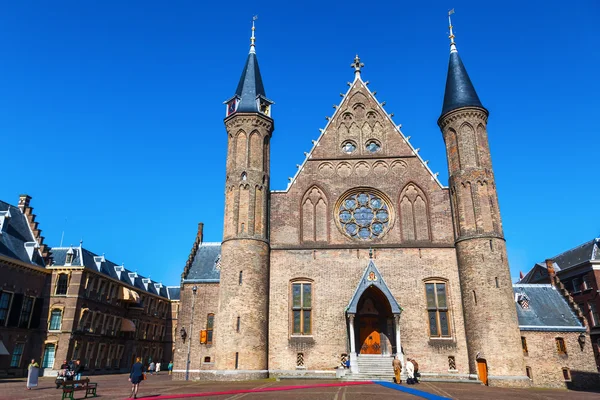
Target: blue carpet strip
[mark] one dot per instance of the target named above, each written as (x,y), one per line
(408,390)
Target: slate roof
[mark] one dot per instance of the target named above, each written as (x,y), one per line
(15,233)
(174,292)
(459,89)
(206,264)
(578,255)
(548,310)
(250,85)
(85,258)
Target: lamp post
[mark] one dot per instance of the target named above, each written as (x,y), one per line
(187,365)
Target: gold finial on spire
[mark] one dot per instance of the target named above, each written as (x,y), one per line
(252,38)
(357,65)
(451,37)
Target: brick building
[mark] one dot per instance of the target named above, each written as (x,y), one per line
(365,254)
(23,284)
(75,304)
(578,272)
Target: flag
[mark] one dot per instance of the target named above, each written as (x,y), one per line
(451,12)
(254,18)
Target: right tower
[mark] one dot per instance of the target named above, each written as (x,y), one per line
(491,326)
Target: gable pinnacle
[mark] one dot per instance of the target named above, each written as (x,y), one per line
(357,65)
(451,37)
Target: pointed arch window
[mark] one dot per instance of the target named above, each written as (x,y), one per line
(314,216)
(414,212)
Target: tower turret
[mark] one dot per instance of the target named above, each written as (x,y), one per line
(491,325)
(241,326)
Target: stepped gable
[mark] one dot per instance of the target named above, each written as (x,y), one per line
(541,307)
(19,227)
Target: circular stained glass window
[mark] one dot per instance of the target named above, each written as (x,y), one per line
(364,215)
(348,147)
(373,146)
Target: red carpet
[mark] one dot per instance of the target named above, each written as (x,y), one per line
(273,389)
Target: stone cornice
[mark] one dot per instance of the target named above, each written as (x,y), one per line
(239,119)
(465,112)
(20,264)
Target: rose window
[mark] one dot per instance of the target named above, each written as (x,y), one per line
(364,215)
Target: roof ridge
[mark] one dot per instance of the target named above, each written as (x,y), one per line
(574,248)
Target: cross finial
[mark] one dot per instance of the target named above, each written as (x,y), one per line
(370,253)
(357,65)
(252,38)
(451,37)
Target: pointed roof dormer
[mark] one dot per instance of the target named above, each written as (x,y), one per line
(250,94)
(459,89)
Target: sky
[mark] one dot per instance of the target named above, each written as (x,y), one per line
(111,113)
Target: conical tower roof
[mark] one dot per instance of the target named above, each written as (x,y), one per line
(459,89)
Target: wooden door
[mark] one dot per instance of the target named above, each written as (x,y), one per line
(370,337)
(482,371)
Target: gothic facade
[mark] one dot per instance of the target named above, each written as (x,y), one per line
(365,255)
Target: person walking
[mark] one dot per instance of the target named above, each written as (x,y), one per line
(33,372)
(157,367)
(151,368)
(136,376)
(397,364)
(410,372)
(170,367)
(417,373)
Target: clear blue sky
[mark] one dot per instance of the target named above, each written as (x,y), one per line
(111,112)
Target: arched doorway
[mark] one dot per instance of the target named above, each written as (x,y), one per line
(374,323)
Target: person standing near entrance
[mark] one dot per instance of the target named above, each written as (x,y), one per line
(397,364)
(416,365)
(410,372)
(33,372)
(157,367)
(170,367)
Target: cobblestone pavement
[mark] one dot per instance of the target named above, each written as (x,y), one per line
(161,386)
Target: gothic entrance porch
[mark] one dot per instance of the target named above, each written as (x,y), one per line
(373,319)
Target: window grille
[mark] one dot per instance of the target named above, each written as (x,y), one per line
(561,348)
(451,363)
(300,360)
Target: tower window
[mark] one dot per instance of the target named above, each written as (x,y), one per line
(437,309)
(237,327)
(566,374)
(302,308)
(240,278)
(529,374)
(210,322)
(237,360)
(497,283)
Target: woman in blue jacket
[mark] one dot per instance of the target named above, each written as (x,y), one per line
(136,376)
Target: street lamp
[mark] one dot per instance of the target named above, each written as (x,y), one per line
(187,365)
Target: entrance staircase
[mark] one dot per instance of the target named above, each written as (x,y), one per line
(372,367)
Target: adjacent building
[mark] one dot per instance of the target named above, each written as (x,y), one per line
(576,271)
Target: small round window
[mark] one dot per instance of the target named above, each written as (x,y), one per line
(348,147)
(373,146)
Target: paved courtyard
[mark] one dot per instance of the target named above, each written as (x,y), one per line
(162,387)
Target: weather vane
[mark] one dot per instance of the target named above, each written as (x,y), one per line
(451,36)
(252,38)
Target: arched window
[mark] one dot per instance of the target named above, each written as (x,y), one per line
(62,283)
(210,323)
(436,294)
(414,213)
(55,319)
(301,308)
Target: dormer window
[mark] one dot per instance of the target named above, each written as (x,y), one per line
(70,254)
(523,300)
(4,218)
(232,106)
(264,108)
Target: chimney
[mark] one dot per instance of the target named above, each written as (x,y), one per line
(551,272)
(200,234)
(24,200)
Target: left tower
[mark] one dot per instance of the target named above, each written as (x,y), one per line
(241,329)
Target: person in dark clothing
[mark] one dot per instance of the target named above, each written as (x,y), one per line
(78,369)
(417,373)
(136,376)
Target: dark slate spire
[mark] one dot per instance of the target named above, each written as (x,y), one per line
(250,93)
(459,89)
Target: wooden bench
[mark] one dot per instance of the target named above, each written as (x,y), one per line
(70,387)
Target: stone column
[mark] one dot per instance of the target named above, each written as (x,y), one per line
(353,360)
(398,343)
